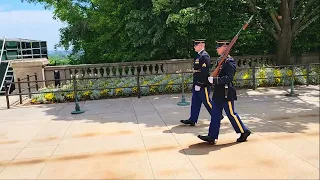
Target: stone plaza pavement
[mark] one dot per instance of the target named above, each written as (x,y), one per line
(133,138)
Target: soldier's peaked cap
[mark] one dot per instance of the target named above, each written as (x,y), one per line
(197,41)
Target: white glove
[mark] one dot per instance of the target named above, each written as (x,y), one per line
(210,79)
(197,88)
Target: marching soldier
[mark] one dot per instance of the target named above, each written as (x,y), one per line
(200,88)
(223,97)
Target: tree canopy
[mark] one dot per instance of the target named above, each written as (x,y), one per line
(140,30)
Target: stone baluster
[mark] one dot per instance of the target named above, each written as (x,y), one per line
(80,73)
(141,70)
(105,72)
(153,70)
(123,72)
(135,70)
(99,72)
(147,69)
(129,71)
(111,71)
(117,71)
(92,72)
(72,73)
(160,69)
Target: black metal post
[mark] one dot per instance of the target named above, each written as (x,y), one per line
(7,93)
(308,73)
(36,79)
(254,76)
(292,84)
(183,101)
(138,83)
(19,87)
(77,107)
(29,88)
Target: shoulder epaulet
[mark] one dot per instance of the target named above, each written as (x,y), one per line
(230,60)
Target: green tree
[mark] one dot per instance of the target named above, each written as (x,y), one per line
(284,20)
(131,30)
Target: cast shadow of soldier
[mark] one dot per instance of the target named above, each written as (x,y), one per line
(203,148)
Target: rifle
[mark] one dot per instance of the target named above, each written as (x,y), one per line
(223,57)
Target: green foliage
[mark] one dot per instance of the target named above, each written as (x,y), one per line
(58,60)
(138,30)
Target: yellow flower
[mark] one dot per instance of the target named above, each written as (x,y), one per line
(168,88)
(135,89)
(167,77)
(277,73)
(118,91)
(87,93)
(144,82)
(33,100)
(70,96)
(246,76)
(104,92)
(153,88)
(49,96)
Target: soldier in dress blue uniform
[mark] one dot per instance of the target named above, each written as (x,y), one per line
(200,88)
(224,95)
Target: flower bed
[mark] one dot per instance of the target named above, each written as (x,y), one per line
(165,84)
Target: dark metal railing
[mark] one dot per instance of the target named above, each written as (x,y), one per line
(74,80)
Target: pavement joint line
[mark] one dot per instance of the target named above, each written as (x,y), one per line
(177,141)
(60,139)
(5,166)
(145,148)
(264,137)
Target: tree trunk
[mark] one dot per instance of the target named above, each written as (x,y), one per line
(285,35)
(284,47)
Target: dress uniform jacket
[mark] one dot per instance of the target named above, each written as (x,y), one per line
(224,89)
(201,65)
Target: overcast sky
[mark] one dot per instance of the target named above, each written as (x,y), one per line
(28,21)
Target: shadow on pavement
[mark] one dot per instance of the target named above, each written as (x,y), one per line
(204,148)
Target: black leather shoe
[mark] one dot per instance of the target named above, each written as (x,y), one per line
(188,122)
(208,139)
(243,137)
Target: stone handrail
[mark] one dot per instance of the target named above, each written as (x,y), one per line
(149,67)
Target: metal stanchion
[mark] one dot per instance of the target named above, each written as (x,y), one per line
(292,94)
(77,107)
(183,101)
(7,94)
(19,88)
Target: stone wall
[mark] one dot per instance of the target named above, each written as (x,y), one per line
(157,67)
(22,68)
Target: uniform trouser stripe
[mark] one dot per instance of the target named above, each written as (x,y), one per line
(207,97)
(235,117)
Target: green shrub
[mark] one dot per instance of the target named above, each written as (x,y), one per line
(159,84)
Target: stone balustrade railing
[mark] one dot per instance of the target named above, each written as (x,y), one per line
(144,67)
